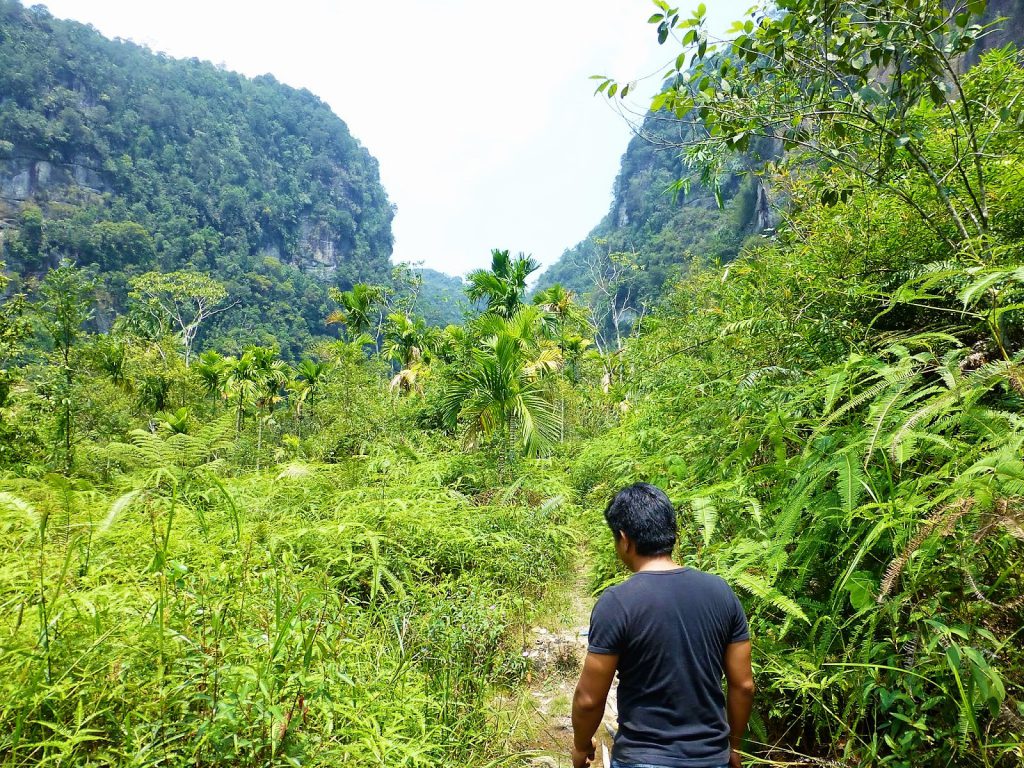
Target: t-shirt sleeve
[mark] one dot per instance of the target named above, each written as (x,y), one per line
(607,626)
(739,631)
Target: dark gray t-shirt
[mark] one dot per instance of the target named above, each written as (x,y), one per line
(670,630)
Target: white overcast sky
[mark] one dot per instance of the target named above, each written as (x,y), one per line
(480,113)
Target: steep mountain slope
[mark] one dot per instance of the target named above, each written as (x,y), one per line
(662,231)
(660,226)
(137,161)
(1009,30)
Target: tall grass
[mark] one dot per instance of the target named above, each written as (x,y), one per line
(356,614)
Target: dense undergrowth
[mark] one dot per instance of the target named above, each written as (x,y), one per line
(838,415)
(276,565)
(350,614)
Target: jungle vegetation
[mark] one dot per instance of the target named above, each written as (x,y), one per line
(133,161)
(241,558)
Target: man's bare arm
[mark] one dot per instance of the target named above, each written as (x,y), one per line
(739,676)
(589,701)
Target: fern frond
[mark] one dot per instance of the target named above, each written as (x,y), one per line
(851,482)
(761,589)
(706,515)
(869,394)
(882,411)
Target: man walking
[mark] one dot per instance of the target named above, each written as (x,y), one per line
(670,632)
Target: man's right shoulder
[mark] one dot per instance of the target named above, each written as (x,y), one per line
(711,581)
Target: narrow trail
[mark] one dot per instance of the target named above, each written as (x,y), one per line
(556,654)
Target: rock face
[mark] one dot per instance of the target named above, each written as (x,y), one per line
(24,177)
(1010,30)
(319,252)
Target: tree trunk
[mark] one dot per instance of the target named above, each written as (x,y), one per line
(259,440)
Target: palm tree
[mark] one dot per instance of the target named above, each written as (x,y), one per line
(240,383)
(309,378)
(560,303)
(504,284)
(360,308)
(211,368)
(504,388)
(573,348)
(451,344)
(271,375)
(110,353)
(410,343)
(408,340)
(313,375)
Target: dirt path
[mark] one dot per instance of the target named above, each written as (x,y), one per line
(556,656)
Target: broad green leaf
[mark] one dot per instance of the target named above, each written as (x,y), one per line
(860,587)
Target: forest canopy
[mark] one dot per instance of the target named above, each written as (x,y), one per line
(113,156)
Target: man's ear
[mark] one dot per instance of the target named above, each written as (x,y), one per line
(627,543)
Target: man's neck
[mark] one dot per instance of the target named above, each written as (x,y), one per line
(656,563)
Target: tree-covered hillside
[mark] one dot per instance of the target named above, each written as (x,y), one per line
(442,299)
(661,223)
(117,157)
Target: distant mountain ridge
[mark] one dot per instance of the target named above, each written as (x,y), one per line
(138,161)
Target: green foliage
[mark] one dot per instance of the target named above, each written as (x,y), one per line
(250,563)
(503,286)
(503,392)
(294,617)
(442,299)
(153,163)
(361,308)
(228,581)
(837,415)
(181,300)
(814,75)
(65,308)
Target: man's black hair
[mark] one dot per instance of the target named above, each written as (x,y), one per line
(644,513)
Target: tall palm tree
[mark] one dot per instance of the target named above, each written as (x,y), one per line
(402,339)
(560,303)
(241,382)
(504,389)
(359,308)
(271,375)
(211,369)
(410,343)
(110,353)
(573,348)
(313,375)
(504,284)
(309,379)
(409,339)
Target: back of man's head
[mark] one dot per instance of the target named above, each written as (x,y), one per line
(644,513)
